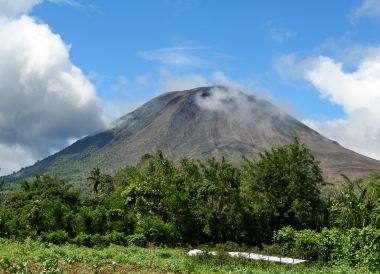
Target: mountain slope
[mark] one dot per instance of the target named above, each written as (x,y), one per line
(200,123)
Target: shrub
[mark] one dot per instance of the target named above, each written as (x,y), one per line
(228,246)
(357,247)
(55,237)
(82,239)
(98,240)
(305,243)
(157,231)
(117,238)
(136,240)
(286,237)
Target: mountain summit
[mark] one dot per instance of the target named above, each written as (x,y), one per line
(201,123)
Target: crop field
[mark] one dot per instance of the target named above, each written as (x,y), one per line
(35,257)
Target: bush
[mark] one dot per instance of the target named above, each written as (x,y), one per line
(157,231)
(117,238)
(82,239)
(357,247)
(55,237)
(136,240)
(362,247)
(98,240)
(228,246)
(304,243)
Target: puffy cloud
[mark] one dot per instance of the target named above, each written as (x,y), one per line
(356,91)
(352,90)
(45,99)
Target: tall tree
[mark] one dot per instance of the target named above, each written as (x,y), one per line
(283,188)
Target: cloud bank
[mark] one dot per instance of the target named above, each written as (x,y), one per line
(45,99)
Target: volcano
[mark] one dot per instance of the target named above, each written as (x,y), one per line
(199,123)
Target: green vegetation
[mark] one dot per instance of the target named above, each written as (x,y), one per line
(272,205)
(35,257)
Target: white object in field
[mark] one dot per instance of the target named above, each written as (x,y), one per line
(196,252)
(252,256)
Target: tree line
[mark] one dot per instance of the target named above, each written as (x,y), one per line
(191,202)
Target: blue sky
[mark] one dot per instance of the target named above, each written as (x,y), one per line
(71,66)
(240,38)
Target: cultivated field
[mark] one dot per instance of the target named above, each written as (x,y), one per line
(35,257)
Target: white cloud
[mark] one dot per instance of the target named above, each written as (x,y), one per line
(368,8)
(45,99)
(356,91)
(239,108)
(351,90)
(226,99)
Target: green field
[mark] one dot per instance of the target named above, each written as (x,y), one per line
(34,257)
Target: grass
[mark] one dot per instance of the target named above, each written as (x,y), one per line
(34,257)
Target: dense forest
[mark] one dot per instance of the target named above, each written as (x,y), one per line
(279,198)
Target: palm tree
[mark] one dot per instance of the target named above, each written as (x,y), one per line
(355,206)
(95,179)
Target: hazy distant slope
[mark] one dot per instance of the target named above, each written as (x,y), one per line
(200,123)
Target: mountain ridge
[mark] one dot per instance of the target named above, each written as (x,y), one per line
(199,123)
